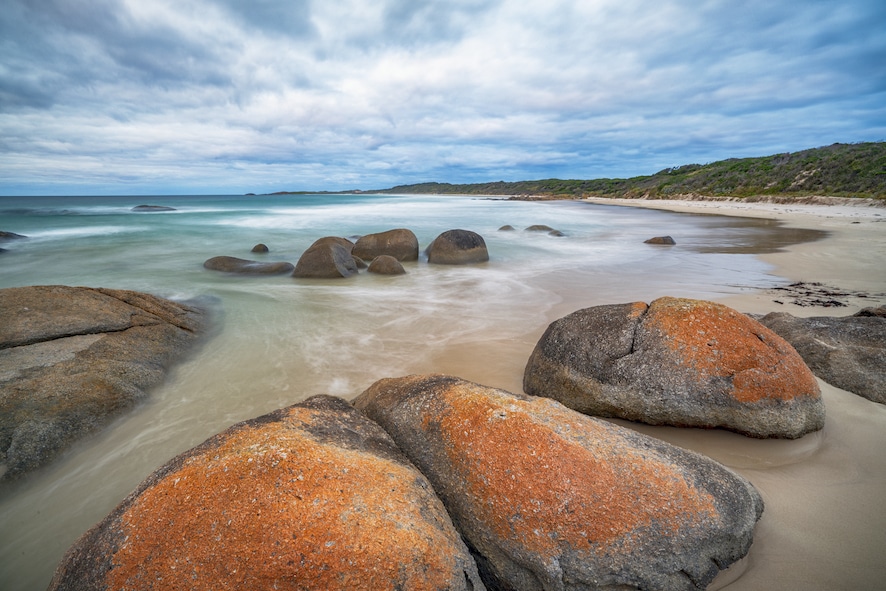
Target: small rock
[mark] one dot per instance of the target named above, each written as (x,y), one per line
(660,240)
(507,228)
(386,265)
(686,363)
(313,496)
(260,248)
(247,267)
(151,208)
(552,499)
(10,236)
(457,247)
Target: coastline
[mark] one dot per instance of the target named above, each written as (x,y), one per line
(847,258)
(822,527)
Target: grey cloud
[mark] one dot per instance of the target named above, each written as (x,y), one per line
(292,18)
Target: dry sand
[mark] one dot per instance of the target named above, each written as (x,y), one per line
(824,526)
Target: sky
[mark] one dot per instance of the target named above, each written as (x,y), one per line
(153,97)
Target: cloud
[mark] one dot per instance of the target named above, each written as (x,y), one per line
(225,96)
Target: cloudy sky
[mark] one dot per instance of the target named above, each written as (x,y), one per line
(233,96)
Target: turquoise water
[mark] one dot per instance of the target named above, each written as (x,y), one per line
(279,340)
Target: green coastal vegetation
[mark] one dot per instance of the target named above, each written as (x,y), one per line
(838,170)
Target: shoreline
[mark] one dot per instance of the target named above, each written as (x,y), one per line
(821,528)
(846,258)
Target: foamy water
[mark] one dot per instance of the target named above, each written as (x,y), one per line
(279,340)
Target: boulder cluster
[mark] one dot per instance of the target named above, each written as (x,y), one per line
(424,482)
(434,482)
(333,257)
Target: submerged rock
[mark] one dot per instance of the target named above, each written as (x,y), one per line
(457,247)
(260,248)
(507,228)
(71,358)
(667,240)
(150,208)
(386,265)
(400,244)
(327,258)
(10,236)
(247,267)
(313,496)
(552,499)
(847,352)
(687,363)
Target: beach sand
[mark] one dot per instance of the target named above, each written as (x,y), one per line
(824,526)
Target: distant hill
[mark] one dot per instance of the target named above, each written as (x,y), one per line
(839,170)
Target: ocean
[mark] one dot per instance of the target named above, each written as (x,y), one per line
(277,340)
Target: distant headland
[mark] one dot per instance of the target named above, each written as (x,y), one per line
(838,170)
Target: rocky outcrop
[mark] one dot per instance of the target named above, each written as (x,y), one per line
(847,352)
(677,362)
(10,236)
(261,249)
(386,265)
(152,208)
(313,496)
(247,267)
(327,258)
(457,247)
(400,244)
(71,358)
(552,499)
(666,240)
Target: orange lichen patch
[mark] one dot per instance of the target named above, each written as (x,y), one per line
(270,507)
(714,340)
(637,309)
(551,478)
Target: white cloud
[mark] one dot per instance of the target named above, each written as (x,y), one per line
(204,95)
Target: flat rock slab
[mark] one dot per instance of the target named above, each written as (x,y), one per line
(71,358)
(247,267)
(680,362)
(549,498)
(848,352)
(313,496)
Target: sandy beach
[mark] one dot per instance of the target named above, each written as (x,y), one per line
(824,526)
(282,341)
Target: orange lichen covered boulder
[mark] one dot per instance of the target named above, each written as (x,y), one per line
(688,363)
(313,496)
(549,498)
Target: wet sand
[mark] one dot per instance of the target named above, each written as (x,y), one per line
(824,526)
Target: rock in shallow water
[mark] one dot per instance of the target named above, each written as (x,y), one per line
(400,243)
(71,358)
(457,247)
(246,267)
(313,496)
(687,363)
(327,258)
(552,499)
(847,352)
(386,265)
